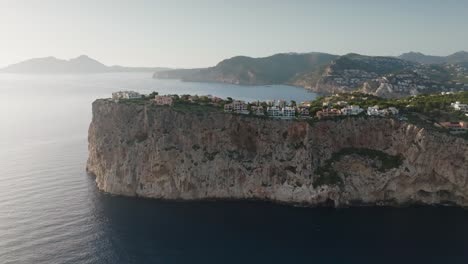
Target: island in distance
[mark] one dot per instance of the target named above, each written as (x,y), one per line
(79,65)
(390,77)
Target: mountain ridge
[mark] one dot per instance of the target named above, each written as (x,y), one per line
(81,64)
(457,57)
(327,73)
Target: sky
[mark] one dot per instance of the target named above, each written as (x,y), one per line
(200,33)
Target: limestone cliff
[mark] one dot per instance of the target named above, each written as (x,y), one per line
(158,152)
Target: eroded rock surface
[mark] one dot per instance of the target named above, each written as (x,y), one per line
(158,152)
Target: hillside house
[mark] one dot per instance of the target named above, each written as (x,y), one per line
(125,95)
(216,100)
(303,111)
(274,111)
(239,107)
(459,106)
(456,127)
(288,112)
(352,110)
(325,113)
(163,100)
(374,111)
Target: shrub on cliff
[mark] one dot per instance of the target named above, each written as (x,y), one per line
(328,176)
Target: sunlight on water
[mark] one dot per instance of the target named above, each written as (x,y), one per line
(51,212)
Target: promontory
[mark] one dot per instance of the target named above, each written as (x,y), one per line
(183,152)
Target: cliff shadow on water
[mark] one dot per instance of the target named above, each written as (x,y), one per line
(179,154)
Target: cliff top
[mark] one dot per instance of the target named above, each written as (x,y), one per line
(434,111)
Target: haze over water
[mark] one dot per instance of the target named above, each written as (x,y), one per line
(51,211)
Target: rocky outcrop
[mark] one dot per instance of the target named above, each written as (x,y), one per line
(160,152)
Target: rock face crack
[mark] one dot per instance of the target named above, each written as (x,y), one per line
(157,152)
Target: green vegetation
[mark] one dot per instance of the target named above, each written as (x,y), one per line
(210,156)
(328,176)
(139,101)
(422,110)
(195,147)
(195,107)
(276,69)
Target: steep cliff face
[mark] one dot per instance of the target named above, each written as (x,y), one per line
(158,152)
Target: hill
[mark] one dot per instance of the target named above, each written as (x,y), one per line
(390,77)
(276,69)
(325,73)
(460,57)
(81,64)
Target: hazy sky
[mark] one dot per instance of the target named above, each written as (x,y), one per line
(201,33)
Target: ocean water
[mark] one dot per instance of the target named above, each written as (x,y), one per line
(51,211)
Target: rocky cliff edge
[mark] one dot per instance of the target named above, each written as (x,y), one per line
(158,152)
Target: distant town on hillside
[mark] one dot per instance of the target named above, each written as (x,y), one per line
(389,77)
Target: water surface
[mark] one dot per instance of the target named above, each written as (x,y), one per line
(51,212)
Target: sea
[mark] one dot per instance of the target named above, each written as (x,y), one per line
(52,212)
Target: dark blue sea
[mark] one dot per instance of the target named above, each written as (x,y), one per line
(51,211)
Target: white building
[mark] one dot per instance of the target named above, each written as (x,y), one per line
(374,111)
(393,110)
(352,110)
(274,111)
(460,107)
(125,95)
(288,112)
(239,107)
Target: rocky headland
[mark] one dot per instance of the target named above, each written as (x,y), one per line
(161,152)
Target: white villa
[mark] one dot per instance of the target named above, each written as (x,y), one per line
(239,107)
(288,112)
(375,111)
(163,100)
(274,111)
(352,110)
(459,106)
(125,95)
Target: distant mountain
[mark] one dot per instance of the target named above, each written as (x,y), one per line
(460,57)
(276,69)
(422,58)
(81,64)
(326,73)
